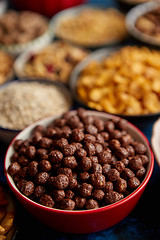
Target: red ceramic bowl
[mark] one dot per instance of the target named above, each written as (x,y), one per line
(82,221)
(46,7)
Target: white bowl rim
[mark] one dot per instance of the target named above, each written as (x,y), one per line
(155,140)
(133,15)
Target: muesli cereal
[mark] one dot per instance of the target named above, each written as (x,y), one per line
(55,61)
(22,103)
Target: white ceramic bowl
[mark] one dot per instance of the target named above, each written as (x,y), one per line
(41,41)
(132,17)
(155,140)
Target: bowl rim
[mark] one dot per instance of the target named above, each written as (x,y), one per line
(155,140)
(90,211)
(42,80)
(134,14)
(99,55)
(73,11)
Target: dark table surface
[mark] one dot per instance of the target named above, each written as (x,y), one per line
(142,223)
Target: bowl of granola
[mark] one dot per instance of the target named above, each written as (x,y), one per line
(54,62)
(25,101)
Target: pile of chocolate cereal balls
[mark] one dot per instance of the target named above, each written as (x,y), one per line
(78,162)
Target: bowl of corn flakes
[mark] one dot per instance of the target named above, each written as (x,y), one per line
(123,81)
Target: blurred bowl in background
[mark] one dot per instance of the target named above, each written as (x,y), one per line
(23,30)
(136,13)
(128,4)
(77,25)
(45,7)
(140,120)
(155,140)
(54,62)
(24,101)
(3,6)
(6,67)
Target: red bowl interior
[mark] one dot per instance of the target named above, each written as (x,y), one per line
(83,221)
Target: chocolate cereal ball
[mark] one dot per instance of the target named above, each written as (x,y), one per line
(61,181)
(14,168)
(112,197)
(98,194)
(39,191)
(45,165)
(98,181)
(27,188)
(91,204)
(79,202)
(46,200)
(58,195)
(86,190)
(33,168)
(67,204)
